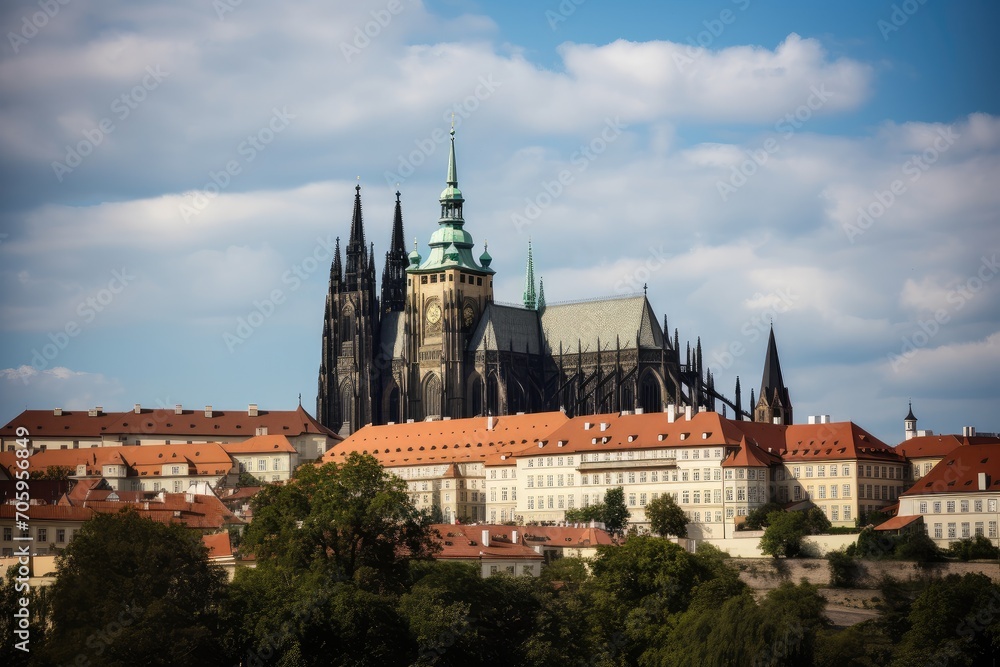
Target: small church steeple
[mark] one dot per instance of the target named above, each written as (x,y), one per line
(773,402)
(910,424)
(530,296)
(541,294)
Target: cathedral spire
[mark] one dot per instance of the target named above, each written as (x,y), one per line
(337,269)
(356,250)
(394,271)
(541,294)
(530,297)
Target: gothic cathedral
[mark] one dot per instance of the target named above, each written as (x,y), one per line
(433,344)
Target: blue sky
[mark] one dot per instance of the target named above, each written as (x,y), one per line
(866,226)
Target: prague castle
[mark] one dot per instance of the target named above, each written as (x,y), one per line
(432,343)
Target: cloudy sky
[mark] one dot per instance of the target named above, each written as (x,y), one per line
(175,173)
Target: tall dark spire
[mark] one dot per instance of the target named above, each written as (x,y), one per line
(336,269)
(530,296)
(774,401)
(394,272)
(738,400)
(357,252)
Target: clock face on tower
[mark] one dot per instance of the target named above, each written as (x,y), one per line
(467,316)
(434,313)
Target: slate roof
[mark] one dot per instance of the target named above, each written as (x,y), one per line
(505,328)
(607,320)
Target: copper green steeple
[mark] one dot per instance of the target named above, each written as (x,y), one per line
(451,246)
(530,297)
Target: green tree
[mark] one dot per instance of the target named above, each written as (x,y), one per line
(38,611)
(757,518)
(666,517)
(845,570)
(816,522)
(586,514)
(247,479)
(132,591)
(973,548)
(616,514)
(341,520)
(784,533)
(954,621)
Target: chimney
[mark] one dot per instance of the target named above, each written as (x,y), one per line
(252,410)
(208,411)
(984,481)
(687,413)
(178,410)
(137,409)
(777,420)
(824,419)
(969,431)
(671,415)
(813,419)
(93,412)
(57,412)
(513,536)
(639,411)
(261,430)
(604,426)
(486,538)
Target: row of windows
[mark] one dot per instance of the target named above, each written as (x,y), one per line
(435,277)
(41,534)
(963,506)
(821,470)
(503,475)
(966,528)
(877,492)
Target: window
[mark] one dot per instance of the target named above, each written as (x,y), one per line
(937,507)
(570,480)
(965,506)
(531,463)
(717,496)
(797,493)
(729,512)
(729,495)
(621,478)
(631,500)
(846,472)
(993,529)
(261,465)
(570,501)
(951,531)
(821,471)
(950,506)
(177,486)
(562,502)
(717,475)
(834,513)
(965,530)
(531,502)
(503,493)
(685,497)
(561,480)
(42,535)
(822,491)
(833,491)
(549,502)
(654,476)
(276,465)
(796,472)
(696,476)
(809,471)
(531,482)
(684,475)
(978,505)
(8,534)
(642,477)
(741,494)
(607,478)
(631,477)
(642,499)
(697,496)
(548,480)
(979,529)
(729,473)
(847,512)
(937,531)
(923,507)
(741,473)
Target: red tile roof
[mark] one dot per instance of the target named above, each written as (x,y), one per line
(219,545)
(958,471)
(750,455)
(465,542)
(49,512)
(898,522)
(207,458)
(937,446)
(192,423)
(261,444)
(446,441)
